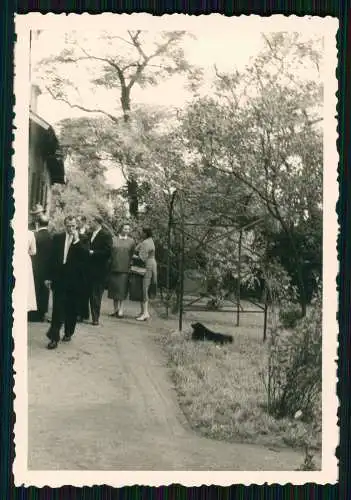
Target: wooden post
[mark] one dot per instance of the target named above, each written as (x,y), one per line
(239,279)
(168,260)
(265,315)
(168,277)
(181,267)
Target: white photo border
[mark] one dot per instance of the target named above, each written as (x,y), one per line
(329,472)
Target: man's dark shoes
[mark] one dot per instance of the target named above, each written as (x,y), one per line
(52,344)
(66,338)
(95,323)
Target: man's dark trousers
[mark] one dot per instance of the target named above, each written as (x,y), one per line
(96,292)
(64,311)
(100,249)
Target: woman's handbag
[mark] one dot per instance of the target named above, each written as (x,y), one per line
(152,291)
(137,266)
(135,287)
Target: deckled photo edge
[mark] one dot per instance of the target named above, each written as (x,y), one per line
(20,161)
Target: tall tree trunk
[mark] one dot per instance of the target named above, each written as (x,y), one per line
(133,201)
(125,102)
(132,184)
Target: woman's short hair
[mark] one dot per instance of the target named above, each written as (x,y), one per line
(147,232)
(121,226)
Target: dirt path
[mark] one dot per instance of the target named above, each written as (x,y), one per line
(105,402)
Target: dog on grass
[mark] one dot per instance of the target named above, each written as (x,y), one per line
(200,332)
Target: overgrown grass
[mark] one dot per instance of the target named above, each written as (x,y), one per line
(222,395)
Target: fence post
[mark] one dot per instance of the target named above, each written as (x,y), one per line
(265,315)
(168,277)
(239,279)
(168,280)
(181,266)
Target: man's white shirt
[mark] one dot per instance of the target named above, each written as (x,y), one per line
(68,243)
(93,236)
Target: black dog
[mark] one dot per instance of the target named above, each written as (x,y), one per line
(200,332)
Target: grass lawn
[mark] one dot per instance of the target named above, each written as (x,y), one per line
(220,389)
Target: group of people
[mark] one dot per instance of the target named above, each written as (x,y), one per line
(78,264)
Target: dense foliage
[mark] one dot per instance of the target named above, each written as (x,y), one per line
(248,155)
(294,376)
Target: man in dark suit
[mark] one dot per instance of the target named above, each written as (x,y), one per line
(65,279)
(43,240)
(100,245)
(84,236)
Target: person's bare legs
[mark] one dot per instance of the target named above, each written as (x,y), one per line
(115,306)
(141,309)
(144,315)
(120,310)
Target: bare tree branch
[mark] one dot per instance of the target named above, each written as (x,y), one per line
(146,58)
(221,76)
(122,39)
(83,108)
(102,59)
(135,42)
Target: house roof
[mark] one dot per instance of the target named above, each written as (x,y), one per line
(38,120)
(51,148)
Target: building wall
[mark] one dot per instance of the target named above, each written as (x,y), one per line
(38,175)
(43,169)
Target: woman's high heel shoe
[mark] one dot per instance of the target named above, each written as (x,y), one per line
(143,317)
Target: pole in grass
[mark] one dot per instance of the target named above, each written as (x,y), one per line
(238,298)
(265,315)
(173,192)
(181,266)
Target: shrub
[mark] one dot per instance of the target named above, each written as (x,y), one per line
(294,376)
(290,315)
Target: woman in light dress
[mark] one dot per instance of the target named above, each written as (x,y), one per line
(32,250)
(146,252)
(121,255)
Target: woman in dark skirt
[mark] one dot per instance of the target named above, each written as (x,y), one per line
(121,255)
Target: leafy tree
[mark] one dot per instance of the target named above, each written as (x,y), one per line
(84,195)
(95,143)
(84,142)
(113,65)
(261,129)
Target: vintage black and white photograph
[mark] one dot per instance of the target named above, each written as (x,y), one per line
(176,253)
